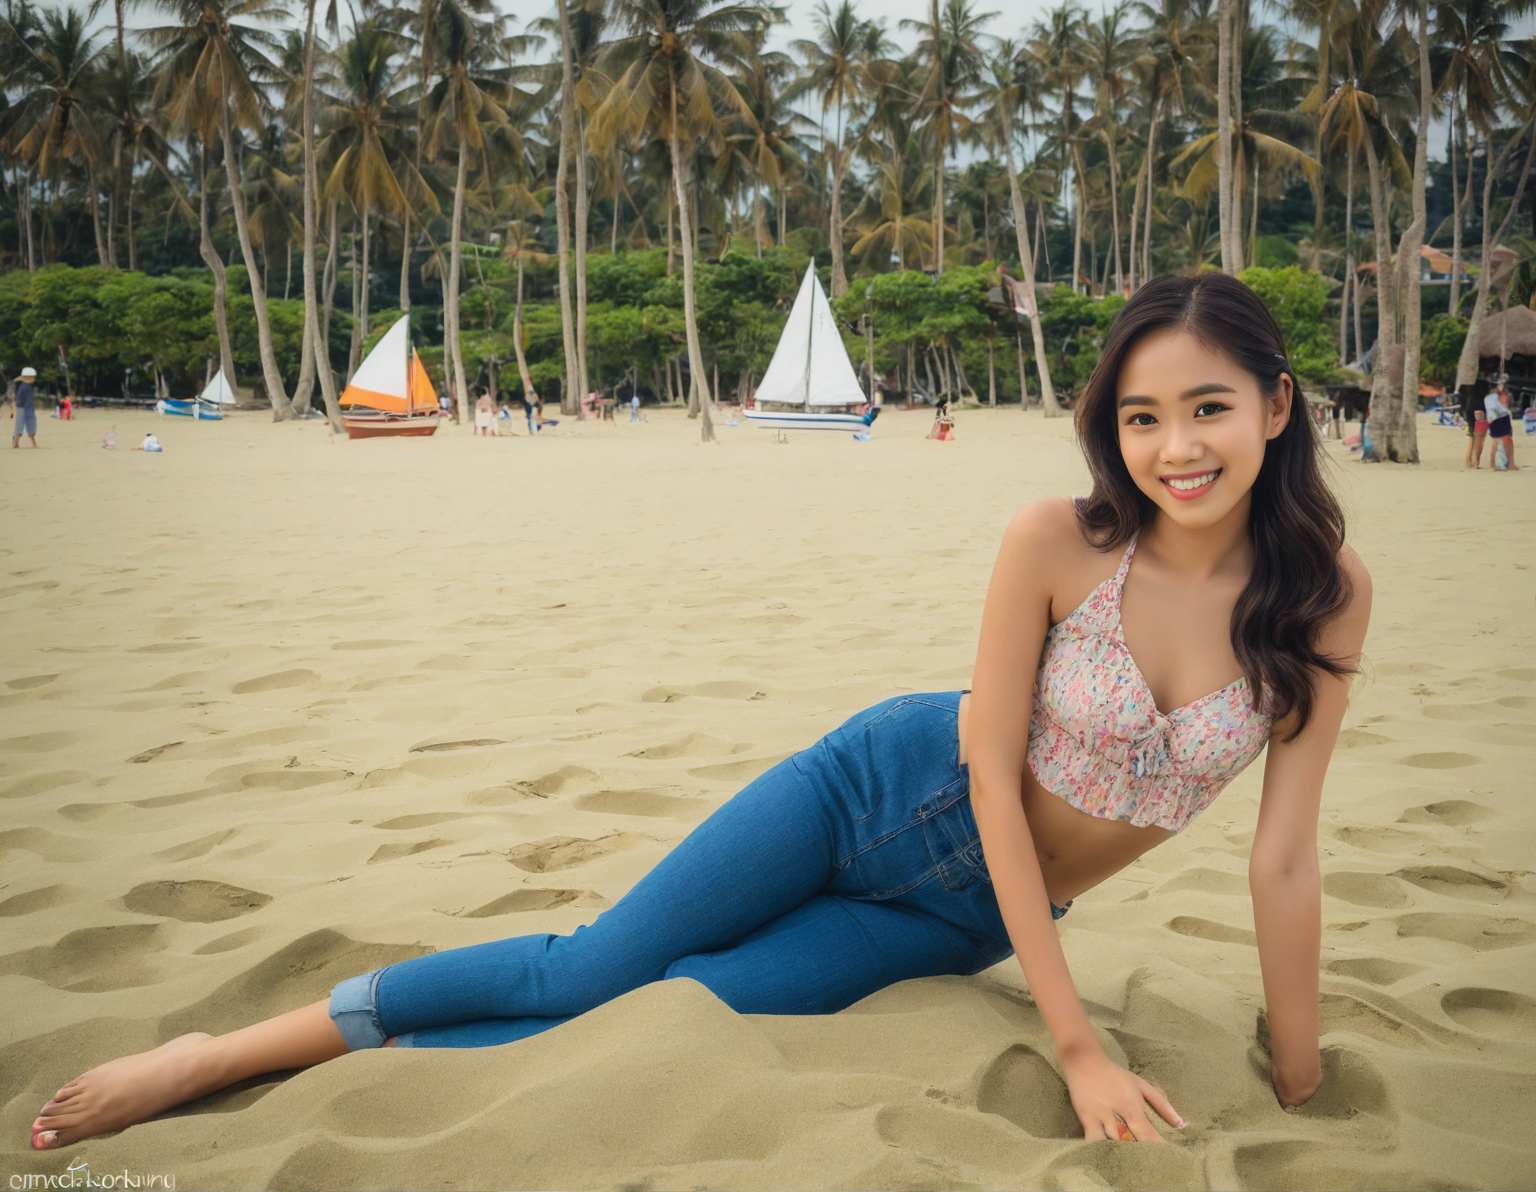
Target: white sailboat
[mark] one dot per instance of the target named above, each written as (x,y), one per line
(390,393)
(810,383)
(209,404)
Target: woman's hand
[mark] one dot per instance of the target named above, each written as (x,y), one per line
(1111,1102)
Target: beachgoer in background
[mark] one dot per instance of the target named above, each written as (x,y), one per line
(26,408)
(529,410)
(634,406)
(66,409)
(1477,421)
(1500,428)
(485,412)
(150,444)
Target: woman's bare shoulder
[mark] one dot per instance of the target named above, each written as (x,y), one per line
(1044,541)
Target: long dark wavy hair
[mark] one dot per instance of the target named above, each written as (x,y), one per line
(1297,585)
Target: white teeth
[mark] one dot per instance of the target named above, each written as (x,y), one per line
(1194,482)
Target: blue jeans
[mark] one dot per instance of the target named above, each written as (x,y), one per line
(846,868)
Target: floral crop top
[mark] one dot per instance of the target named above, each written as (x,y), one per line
(1097,740)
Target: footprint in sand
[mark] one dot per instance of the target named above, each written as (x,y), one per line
(1206,881)
(1519,702)
(1481,932)
(1374,970)
(1205,929)
(641,802)
(743,771)
(1365,889)
(32,901)
(195,901)
(38,784)
(1455,882)
(228,943)
(1352,1086)
(1521,674)
(534,900)
(50,845)
(1458,813)
(273,682)
(93,959)
(1095,1165)
(450,746)
(150,755)
(291,780)
(1342,1012)
(302,972)
(392,852)
(200,847)
(1021,1086)
(38,742)
(425,819)
(1285,1166)
(31,681)
(691,745)
(1496,1012)
(1356,738)
(566,852)
(723,689)
(1439,761)
(1379,840)
(542,787)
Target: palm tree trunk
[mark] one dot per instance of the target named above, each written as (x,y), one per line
(323,348)
(1351,280)
(1460,202)
(690,317)
(583,204)
(451,292)
(517,327)
(1466,368)
(570,401)
(355,348)
(1384,398)
(133,256)
(216,267)
(1114,213)
(115,195)
(1253,226)
(1132,255)
(1027,276)
(271,377)
(835,228)
(1077,222)
(316,356)
(101,239)
(1403,442)
(757,221)
(1224,135)
(405,263)
(671,205)
(364,277)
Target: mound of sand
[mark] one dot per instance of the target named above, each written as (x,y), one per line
(279,710)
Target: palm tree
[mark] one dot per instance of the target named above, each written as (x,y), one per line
(1162,67)
(316,355)
(571,394)
(1108,51)
(64,114)
(665,85)
(1056,42)
(1011,87)
(1402,443)
(213,55)
(463,104)
(902,183)
(840,60)
(1231,241)
(768,131)
(953,57)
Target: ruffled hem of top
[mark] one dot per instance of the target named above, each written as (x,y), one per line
(1075,772)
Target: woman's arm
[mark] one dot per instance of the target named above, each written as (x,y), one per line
(1013,628)
(1282,867)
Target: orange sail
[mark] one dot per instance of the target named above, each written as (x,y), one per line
(381,381)
(422,395)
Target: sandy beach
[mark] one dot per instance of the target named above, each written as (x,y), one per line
(280,709)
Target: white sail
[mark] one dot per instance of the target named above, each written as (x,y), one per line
(218,391)
(386,369)
(810,367)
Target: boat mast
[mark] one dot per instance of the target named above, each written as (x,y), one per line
(810,329)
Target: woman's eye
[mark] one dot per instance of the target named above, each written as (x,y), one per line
(1142,420)
(1207,408)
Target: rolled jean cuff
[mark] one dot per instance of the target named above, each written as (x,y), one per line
(355,1011)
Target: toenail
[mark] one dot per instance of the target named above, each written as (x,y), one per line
(46,1139)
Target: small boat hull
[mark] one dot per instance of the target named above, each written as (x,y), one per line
(375,426)
(191,409)
(801,420)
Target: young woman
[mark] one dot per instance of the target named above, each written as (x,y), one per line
(1138,649)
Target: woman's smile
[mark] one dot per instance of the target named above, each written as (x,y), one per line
(1190,485)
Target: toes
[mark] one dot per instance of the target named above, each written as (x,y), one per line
(46,1140)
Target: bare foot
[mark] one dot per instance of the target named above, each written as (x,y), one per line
(129,1090)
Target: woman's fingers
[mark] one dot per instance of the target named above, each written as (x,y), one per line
(1158,1099)
(1140,1129)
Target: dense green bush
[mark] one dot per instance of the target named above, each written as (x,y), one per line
(1440,349)
(1298,298)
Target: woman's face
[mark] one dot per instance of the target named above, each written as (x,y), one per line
(1193,426)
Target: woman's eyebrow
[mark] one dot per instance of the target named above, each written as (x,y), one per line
(1137,399)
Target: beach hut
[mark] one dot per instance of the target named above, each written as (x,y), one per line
(390,393)
(810,383)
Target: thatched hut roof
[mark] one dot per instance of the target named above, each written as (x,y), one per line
(1508,333)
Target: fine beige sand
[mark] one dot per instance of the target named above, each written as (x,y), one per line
(280,709)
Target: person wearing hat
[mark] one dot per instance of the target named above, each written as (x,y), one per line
(26,408)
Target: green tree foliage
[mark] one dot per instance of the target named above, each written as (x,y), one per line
(1443,337)
(1298,298)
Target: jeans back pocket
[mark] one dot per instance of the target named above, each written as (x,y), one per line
(954,842)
